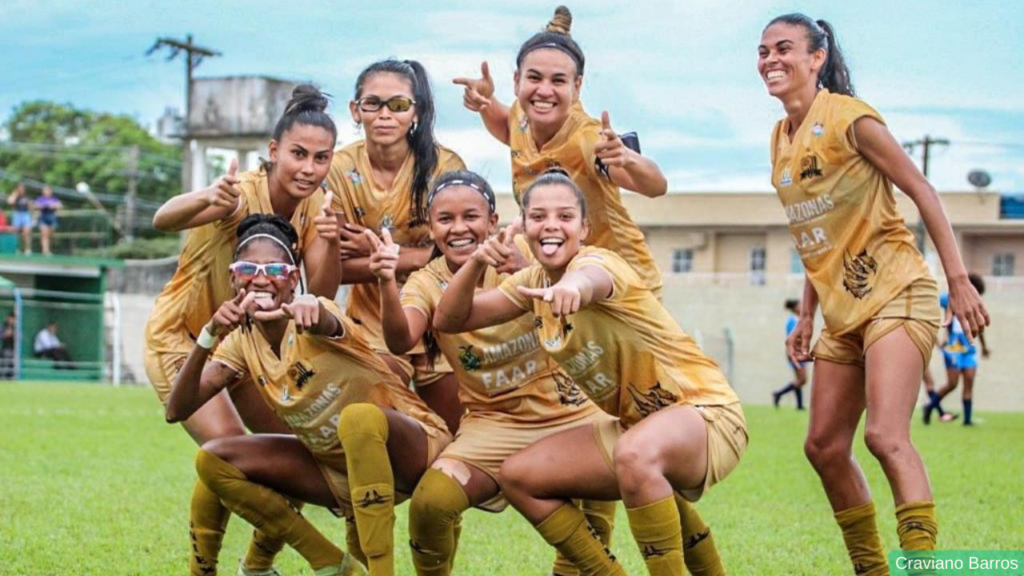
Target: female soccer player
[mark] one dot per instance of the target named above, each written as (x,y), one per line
(834,164)
(680,427)
(360,436)
(381,183)
(289,185)
(799,370)
(513,392)
(547,126)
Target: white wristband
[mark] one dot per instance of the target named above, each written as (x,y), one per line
(205,339)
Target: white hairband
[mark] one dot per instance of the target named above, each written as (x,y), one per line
(268,236)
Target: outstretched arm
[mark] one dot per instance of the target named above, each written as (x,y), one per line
(479,97)
(628,168)
(202,206)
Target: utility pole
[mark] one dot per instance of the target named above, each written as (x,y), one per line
(925,143)
(194,56)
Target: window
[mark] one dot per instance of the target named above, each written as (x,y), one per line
(796,265)
(1002,264)
(757,261)
(682,261)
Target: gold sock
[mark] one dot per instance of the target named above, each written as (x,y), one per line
(860,532)
(266,510)
(456,533)
(567,530)
(263,548)
(207,521)
(437,504)
(352,540)
(363,431)
(601,517)
(657,532)
(916,525)
(699,551)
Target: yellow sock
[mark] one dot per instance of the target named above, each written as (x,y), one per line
(860,532)
(699,551)
(567,530)
(660,537)
(263,548)
(456,533)
(266,510)
(601,517)
(916,525)
(207,521)
(363,431)
(352,540)
(437,504)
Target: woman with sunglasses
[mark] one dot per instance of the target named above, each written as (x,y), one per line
(513,392)
(288,185)
(834,164)
(381,183)
(361,438)
(679,427)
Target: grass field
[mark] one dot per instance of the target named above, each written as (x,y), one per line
(93,482)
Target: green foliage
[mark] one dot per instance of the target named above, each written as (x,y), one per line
(138,249)
(73,145)
(95,483)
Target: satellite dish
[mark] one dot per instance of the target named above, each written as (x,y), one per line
(979,178)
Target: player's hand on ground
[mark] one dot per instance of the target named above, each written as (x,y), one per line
(478,91)
(497,250)
(230,314)
(798,344)
(304,309)
(223,192)
(563,298)
(610,149)
(326,221)
(383,255)
(966,305)
(354,243)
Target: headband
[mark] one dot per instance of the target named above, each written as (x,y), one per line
(556,46)
(269,237)
(456,182)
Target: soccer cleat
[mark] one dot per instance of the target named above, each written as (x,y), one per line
(349,567)
(243,571)
(948,417)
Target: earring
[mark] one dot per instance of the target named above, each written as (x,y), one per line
(413,129)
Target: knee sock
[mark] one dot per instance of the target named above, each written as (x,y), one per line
(567,530)
(266,510)
(656,528)
(263,548)
(601,517)
(799,392)
(860,532)
(456,533)
(699,551)
(207,522)
(968,404)
(936,403)
(363,431)
(352,540)
(916,525)
(437,504)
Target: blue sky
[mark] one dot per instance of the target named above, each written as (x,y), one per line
(681,73)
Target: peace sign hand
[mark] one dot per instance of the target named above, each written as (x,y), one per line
(230,314)
(383,255)
(479,91)
(304,309)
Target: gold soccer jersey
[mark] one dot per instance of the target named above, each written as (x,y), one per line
(626,352)
(572,149)
(364,203)
(504,373)
(314,377)
(856,249)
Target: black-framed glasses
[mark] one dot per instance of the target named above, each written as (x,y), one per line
(395,103)
(274,270)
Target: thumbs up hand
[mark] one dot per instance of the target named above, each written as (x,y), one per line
(326,221)
(610,149)
(223,192)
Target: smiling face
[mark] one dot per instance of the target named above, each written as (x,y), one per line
(785,63)
(301,159)
(384,127)
(547,85)
(459,223)
(554,225)
(270,291)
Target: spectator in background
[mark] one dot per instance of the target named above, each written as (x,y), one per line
(47,345)
(22,218)
(7,335)
(47,204)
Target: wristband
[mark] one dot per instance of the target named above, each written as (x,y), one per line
(205,339)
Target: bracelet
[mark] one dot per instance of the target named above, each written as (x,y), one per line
(205,339)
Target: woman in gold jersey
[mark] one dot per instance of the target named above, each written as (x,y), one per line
(288,185)
(834,164)
(513,392)
(381,184)
(546,126)
(361,438)
(680,428)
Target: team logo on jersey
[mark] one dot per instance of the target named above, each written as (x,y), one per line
(442,284)
(569,394)
(809,167)
(354,177)
(653,400)
(787,177)
(555,342)
(468,358)
(301,372)
(524,123)
(261,380)
(388,222)
(817,129)
(858,272)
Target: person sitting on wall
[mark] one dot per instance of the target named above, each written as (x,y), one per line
(47,345)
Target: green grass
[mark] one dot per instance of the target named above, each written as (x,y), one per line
(93,482)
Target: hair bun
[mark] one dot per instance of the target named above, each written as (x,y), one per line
(561,23)
(307,97)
